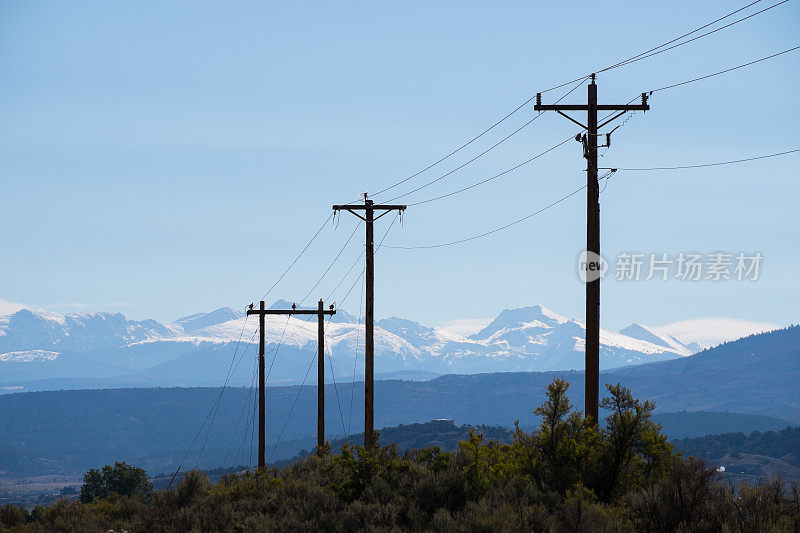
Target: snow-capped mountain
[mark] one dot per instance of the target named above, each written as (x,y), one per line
(655,336)
(31,330)
(197,349)
(204,320)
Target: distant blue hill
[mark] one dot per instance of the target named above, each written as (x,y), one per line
(70,431)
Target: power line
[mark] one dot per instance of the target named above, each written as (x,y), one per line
(501,141)
(345,275)
(481,134)
(503,173)
(219,398)
(355,362)
(297,397)
(634,60)
(241,414)
(642,55)
(376,251)
(280,343)
(211,409)
(501,228)
(335,386)
(215,408)
(726,70)
(719,163)
(297,258)
(291,410)
(606,177)
(662,45)
(215,405)
(358,224)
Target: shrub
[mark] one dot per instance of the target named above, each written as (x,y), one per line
(11,515)
(565,476)
(121,479)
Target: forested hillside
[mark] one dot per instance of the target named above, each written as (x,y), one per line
(750,457)
(756,376)
(565,476)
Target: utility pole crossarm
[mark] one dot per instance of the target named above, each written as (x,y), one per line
(583,107)
(362,207)
(290,312)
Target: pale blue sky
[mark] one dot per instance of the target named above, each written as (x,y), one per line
(165,158)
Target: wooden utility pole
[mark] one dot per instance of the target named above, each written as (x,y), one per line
(321,376)
(262,312)
(369,209)
(589,140)
(262,385)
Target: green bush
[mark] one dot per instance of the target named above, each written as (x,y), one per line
(565,476)
(11,515)
(121,479)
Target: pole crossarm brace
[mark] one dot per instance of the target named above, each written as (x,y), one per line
(570,119)
(560,108)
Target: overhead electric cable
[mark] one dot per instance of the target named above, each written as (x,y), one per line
(716,164)
(431,182)
(501,228)
(213,405)
(637,57)
(297,258)
(503,173)
(634,60)
(241,414)
(221,392)
(726,70)
(297,397)
(662,45)
(358,225)
(335,386)
(355,359)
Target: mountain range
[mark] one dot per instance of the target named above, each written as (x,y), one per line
(40,351)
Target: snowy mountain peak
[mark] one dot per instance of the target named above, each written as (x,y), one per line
(518,317)
(38,330)
(638,331)
(212,318)
(653,336)
(394,324)
(283,304)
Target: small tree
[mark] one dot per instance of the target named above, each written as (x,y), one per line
(565,441)
(634,451)
(122,479)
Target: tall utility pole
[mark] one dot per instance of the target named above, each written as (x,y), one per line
(369,209)
(262,312)
(589,140)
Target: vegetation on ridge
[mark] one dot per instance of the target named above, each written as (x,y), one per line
(566,475)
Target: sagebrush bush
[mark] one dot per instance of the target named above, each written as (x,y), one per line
(566,476)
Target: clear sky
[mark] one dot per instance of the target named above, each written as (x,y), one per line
(166,158)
